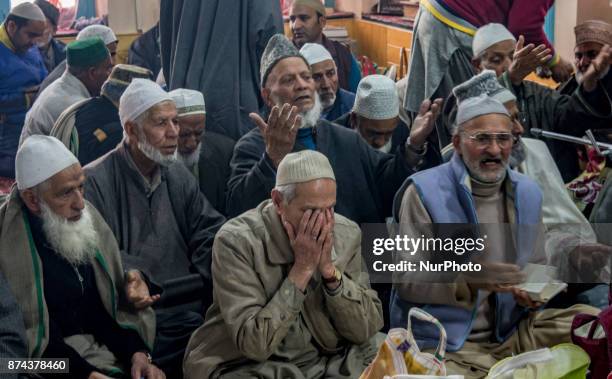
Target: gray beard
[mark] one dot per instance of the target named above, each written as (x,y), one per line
(518,154)
(189,160)
(386,148)
(154,154)
(75,241)
(311,117)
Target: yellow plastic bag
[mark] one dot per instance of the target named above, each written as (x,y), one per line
(400,355)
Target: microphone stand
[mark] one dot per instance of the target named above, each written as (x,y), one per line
(602,149)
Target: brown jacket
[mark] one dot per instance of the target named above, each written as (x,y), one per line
(259,315)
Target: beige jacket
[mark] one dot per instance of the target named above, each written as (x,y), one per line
(259,315)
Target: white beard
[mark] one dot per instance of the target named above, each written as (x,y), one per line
(386,148)
(75,241)
(312,116)
(189,160)
(155,155)
(329,103)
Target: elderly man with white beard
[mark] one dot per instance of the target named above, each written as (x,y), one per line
(206,154)
(366,179)
(164,225)
(336,102)
(63,265)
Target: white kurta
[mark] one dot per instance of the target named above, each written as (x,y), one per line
(60,95)
(566,226)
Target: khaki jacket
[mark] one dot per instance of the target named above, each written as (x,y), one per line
(259,315)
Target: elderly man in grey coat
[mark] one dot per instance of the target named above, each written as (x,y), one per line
(164,225)
(303,307)
(367,179)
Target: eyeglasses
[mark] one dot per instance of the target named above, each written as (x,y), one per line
(482,140)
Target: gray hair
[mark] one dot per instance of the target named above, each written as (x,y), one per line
(287,191)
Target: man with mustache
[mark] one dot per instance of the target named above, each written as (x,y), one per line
(206,154)
(63,265)
(367,179)
(477,187)
(22,69)
(336,102)
(51,49)
(495,48)
(307,20)
(163,223)
(571,242)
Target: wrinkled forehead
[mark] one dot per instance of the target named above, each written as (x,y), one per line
(588,46)
(501,48)
(490,123)
(290,66)
(70,177)
(324,66)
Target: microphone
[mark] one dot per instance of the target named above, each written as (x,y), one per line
(602,148)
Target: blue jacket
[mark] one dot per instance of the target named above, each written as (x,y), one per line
(17,72)
(343,105)
(450,181)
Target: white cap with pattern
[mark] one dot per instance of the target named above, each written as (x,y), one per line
(188,101)
(103,32)
(315,53)
(303,166)
(376,98)
(140,96)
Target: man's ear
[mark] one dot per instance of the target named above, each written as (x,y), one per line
(352,120)
(456,141)
(277,200)
(131,131)
(11,27)
(31,201)
(322,21)
(265,95)
(476,62)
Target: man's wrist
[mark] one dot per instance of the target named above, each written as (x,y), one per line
(142,356)
(328,273)
(418,148)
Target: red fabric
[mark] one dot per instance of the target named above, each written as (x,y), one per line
(521,17)
(599,350)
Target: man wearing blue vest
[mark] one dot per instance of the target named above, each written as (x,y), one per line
(486,318)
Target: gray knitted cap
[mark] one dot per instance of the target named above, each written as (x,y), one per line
(303,166)
(278,48)
(484,83)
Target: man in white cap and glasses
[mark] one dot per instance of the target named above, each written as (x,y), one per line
(571,243)
(206,154)
(335,101)
(303,307)
(587,107)
(477,187)
(142,180)
(103,32)
(62,262)
(22,69)
(367,179)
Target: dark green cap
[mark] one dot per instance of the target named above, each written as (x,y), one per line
(86,52)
